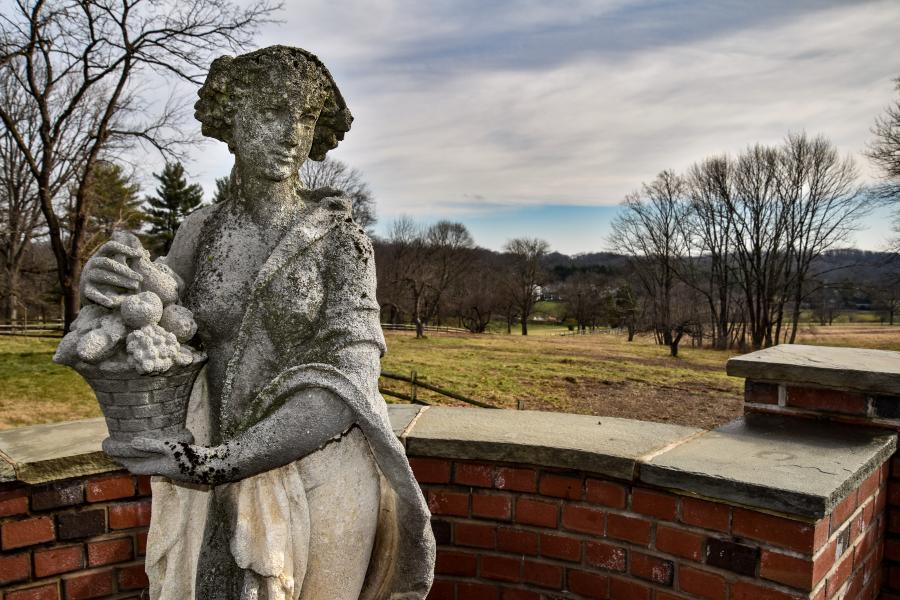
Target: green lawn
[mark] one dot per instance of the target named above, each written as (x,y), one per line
(598,374)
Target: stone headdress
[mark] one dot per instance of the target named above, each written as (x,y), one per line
(294,74)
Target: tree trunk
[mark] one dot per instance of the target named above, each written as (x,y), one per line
(630,332)
(524,326)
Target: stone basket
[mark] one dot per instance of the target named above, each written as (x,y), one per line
(136,405)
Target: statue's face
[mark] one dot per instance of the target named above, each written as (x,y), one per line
(272,138)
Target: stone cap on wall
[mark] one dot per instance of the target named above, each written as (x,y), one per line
(802,469)
(856,369)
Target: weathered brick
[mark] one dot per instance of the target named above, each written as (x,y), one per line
(537,512)
(827,400)
(500,568)
(492,506)
(104,489)
(655,504)
(42,592)
(129,515)
(13,502)
(778,531)
(605,556)
(108,552)
(54,561)
(651,568)
(589,585)
(840,575)
(430,470)
(442,590)
(731,556)
(679,542)
(542,574)
(476,535)
(87,523)
(141,543)
(517,541)
(442,531)
(583,519)
(18,534)
(132,577)
(562,547)
(743,590)
(477,591)
(869,485)
(510,594)
(790,570)
(843,511)
(608,494)
(561,486)
(624,589)
(143,485)
(452,562)
(15,567)
(516,480)
(703,584)
(756,392)
(629,529)
(473,474)
(709,515)
(57,494)
(90,585)
(442,502)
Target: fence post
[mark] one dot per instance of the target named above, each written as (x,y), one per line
(413,383)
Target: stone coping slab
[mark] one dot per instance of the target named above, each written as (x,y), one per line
(603,445)
(857,369)
(796,466)
(44,453)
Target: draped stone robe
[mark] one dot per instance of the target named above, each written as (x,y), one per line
(311,320)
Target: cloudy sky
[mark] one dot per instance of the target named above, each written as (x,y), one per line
(535,118)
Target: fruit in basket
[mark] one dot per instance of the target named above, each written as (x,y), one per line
(152,349)
(159,279)
(179,321)
(141,309)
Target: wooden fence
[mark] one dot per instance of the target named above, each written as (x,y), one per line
(415,382)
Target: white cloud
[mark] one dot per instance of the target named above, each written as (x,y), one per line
(461,107)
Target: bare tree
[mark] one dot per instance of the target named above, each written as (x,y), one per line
(650,230)
(332,173)
(884,150)
(823,204)
(709,231)
(448,248)
(525,277)
(76,63)
(20,212)
(408,261)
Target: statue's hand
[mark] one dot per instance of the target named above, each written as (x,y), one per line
(179,461)
(107,278)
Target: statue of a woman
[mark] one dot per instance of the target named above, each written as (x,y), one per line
(296,486)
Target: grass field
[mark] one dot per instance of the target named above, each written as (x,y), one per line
(596,374)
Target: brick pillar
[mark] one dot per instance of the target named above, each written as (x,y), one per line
(857,387)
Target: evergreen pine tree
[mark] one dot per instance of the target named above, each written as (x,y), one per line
(174,200)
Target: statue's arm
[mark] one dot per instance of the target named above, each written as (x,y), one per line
(299,427)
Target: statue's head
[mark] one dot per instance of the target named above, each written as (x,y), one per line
(274,108)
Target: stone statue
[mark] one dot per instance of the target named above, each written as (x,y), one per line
(292,484)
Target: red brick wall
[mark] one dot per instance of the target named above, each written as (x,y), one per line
(74,539)
(853,408)
(513,532)
(505,532)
